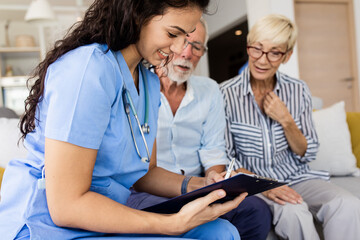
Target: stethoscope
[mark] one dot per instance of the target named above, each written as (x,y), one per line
(129,105)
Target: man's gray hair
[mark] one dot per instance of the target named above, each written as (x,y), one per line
(203,22)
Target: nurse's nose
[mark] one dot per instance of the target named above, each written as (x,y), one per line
(178,45)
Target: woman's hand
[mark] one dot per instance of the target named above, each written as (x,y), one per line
(202,210)
(275,108)
(243,170)
(283,194)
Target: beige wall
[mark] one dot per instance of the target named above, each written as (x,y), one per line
(230,11)
(357,32)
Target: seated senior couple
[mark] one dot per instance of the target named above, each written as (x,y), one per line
(269,130)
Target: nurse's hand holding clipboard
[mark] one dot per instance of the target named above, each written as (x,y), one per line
(202,210)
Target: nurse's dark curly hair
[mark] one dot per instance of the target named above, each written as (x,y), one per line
(116,23)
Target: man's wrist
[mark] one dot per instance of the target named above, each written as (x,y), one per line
(195,183)
(184,184)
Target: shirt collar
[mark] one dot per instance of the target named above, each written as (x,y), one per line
(246,76)
(189,94)
(247,87)
(278,81)
(188,97)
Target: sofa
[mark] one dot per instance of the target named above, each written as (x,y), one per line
(338,132)
(9,137)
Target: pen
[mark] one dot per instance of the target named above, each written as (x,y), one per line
(230,168)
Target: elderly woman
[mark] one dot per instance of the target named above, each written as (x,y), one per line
(271,133)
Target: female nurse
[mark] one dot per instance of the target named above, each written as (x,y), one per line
(85,145)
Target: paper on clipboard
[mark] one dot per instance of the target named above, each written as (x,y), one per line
(242,182)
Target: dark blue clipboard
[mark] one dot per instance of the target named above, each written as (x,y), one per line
(252,184)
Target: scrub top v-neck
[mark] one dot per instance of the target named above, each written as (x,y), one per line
(82,105)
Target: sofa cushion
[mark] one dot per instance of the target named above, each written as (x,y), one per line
(2,170)
(352,184)
(9,137)
(335,152)
(353,120)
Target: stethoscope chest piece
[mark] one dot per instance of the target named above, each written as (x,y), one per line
(145,128)
(145,160)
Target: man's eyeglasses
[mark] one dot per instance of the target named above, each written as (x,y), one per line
(272,56)
(197,49)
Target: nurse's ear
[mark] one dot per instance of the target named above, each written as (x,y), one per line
(287,56)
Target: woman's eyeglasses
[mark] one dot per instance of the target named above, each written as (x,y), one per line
(272,56)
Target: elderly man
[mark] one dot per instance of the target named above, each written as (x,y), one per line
(190,137)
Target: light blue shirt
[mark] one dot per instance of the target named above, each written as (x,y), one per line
(82,105)
(193,140)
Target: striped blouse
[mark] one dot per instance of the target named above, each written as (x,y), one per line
(257,142)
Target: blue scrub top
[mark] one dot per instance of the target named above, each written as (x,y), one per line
(82,105)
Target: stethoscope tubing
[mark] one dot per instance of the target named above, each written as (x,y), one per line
(129,105)
(145,143)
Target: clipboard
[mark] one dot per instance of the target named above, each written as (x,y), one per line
(242,182)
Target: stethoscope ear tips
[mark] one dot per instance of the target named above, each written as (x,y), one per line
(145,160)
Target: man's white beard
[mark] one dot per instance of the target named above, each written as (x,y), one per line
(179,76)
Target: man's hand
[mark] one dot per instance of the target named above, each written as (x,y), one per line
(213,177)
(283,194)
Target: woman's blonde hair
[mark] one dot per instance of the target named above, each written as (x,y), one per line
(276,28)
